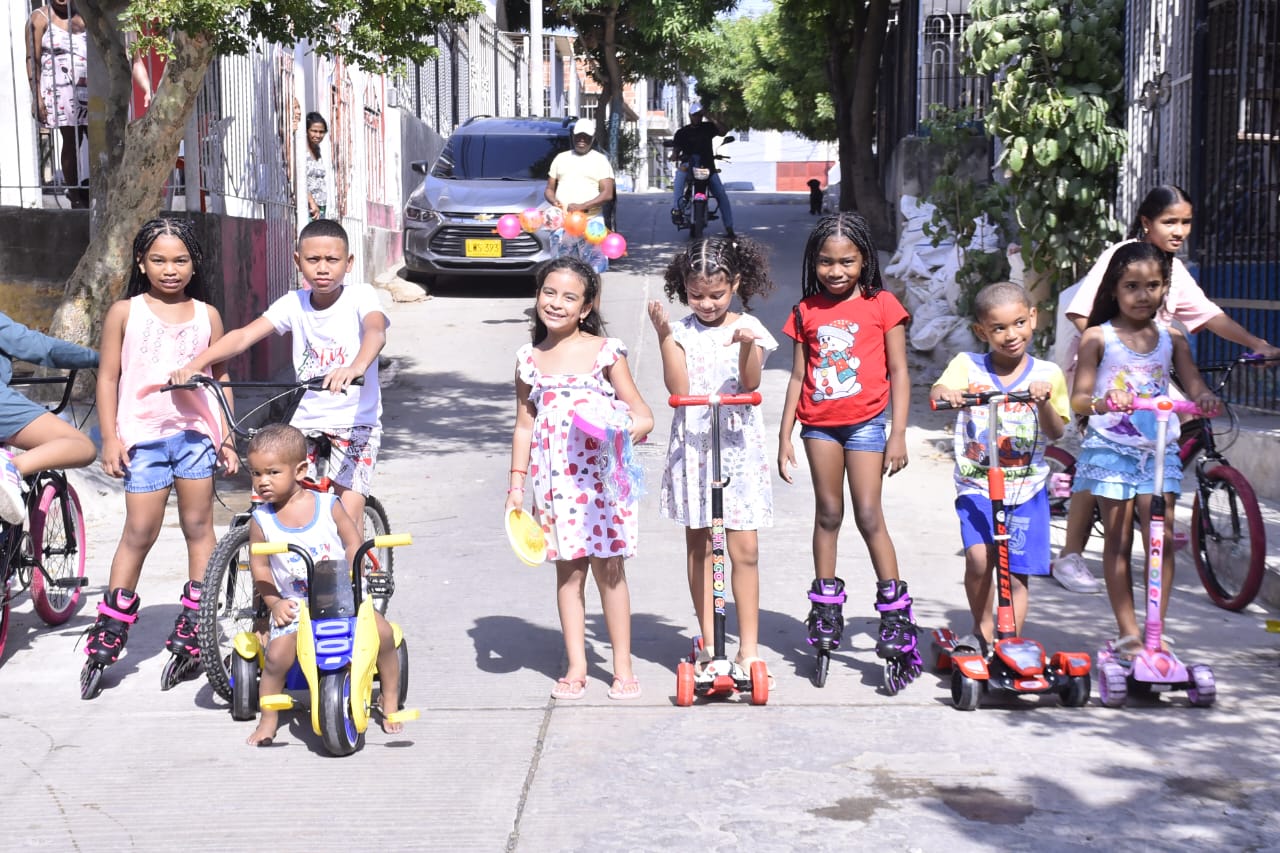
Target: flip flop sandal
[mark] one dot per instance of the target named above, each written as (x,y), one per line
(569,688)
(619,689)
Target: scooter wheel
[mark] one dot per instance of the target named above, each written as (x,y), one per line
(759,683)
(966,692)
(824,663)
(1113,683)
(1205,691)
(90,680)
(1076,692)
(684,684)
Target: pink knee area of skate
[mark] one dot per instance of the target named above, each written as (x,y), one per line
(107,610)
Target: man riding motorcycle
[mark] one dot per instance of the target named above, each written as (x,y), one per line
(694,142)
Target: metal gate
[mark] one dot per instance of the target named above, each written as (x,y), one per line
(1238,194)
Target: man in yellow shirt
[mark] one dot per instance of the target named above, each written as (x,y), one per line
(580,179)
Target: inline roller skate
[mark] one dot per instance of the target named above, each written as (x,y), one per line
(182,642)
(897,643)
(826,622)
(116,612)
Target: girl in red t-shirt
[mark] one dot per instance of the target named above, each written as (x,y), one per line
(849,369)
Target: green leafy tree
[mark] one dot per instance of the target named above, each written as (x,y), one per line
(1056,107)
(137,157)
(627,41)
(767,73)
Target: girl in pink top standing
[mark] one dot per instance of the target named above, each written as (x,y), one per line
(154,440)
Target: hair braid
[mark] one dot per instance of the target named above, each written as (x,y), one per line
(741,258)
(185,231)
(854,228)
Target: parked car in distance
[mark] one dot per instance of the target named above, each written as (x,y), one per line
(489,166)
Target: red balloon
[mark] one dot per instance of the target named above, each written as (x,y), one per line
(509,226)
(575,223)
(614,245)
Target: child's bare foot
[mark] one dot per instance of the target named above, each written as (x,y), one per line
(264,734)
(389,726)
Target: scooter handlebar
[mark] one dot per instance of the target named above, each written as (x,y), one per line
(1165,404)
(678,400)
(982,398)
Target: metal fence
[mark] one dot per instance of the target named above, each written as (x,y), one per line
(1237,187)
(1159,93)
(479,71)
(941,82)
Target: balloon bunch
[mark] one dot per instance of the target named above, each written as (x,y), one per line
(576,224)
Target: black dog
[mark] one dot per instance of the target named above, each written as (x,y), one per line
(815,196)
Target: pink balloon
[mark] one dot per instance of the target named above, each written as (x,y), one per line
(613,246)
(509,226)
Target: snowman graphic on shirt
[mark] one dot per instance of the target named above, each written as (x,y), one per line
(836,373)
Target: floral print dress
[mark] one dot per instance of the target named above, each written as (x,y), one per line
(580,517)
(686,484)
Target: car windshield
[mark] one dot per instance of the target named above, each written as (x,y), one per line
(496,157)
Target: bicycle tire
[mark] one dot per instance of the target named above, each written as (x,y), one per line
(376,523)
(59,551)
(4,613)
(227,606)
(1221,530)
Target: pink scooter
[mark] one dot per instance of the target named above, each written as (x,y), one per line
(1154,668)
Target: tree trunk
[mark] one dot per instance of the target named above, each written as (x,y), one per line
(865,177)
(854,48)
(613,69)
(128,179)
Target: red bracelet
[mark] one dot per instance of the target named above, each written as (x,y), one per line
(518,471)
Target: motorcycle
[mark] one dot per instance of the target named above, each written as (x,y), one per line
(697,206)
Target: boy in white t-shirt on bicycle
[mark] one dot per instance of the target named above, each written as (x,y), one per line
(338,332)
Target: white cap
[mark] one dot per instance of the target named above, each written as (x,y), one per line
(585,125)
(695,107)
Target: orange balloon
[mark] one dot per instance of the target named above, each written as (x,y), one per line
(575,223)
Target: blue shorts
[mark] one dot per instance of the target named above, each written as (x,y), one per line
(1027,525)
(1122,474)
(16,412)
(278,631)
(871,436)
(153,465)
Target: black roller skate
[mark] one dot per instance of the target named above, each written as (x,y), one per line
(826,622)
(182,642)
(897,643)
(116,612)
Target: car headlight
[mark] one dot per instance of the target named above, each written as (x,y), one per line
(421,214)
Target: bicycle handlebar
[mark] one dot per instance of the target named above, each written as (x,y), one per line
(68,382)
(675,401)
(199,380)
(982,398)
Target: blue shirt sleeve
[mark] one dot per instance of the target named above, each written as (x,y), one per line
(17,341)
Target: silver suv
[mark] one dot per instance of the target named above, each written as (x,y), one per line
(489,166)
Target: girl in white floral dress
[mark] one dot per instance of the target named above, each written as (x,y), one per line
(717,351)
(571,366)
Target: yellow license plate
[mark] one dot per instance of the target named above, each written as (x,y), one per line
(484,248)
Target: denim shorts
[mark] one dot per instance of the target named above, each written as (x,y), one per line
(282,630)
(871,436)
(153,465)
(1027,525)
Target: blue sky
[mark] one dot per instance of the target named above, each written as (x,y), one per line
(751,8)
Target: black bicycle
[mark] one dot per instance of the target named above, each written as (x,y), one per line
(46,554)
(229,604)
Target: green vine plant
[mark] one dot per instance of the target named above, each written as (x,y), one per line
(1055,107)
(962,203)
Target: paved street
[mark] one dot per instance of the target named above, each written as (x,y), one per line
(494,764)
